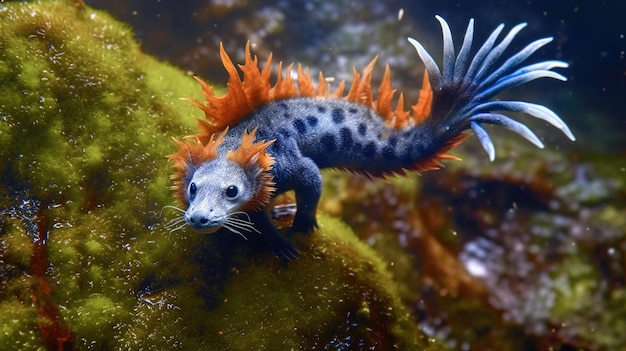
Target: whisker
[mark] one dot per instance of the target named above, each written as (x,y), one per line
(238,224)
(178,228)
(172,207)
(229,227)
(240,213)
(174,222)
(243,224)
(240,221)
(177,218)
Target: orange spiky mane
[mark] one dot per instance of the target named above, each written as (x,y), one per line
(250,156)
(189,156)
(255,90)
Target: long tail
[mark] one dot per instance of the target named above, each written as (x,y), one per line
(464,87)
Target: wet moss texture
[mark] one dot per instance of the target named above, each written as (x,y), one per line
(86,120)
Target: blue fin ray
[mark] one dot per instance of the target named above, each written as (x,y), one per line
(482,53)
(544,65)
(463,87)
(463,57)
(514,61)
(497,52)
(434,75)
(484,139)
(448,51)
(535,110)
(509,123)
(516,80)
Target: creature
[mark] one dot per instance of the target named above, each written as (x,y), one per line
(260,140)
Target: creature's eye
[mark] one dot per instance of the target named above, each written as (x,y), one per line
(193,189)
(232,192)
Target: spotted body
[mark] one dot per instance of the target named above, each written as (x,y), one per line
(260,140)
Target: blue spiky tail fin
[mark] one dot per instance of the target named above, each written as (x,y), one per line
(464,88)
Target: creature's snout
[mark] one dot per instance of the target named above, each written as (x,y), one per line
(202,221)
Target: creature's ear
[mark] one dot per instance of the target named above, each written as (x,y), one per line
(252,157)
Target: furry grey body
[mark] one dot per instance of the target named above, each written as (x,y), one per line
(334,133)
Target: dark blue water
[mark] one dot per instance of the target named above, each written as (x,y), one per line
(334,36)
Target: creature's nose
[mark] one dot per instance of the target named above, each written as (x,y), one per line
(200,221)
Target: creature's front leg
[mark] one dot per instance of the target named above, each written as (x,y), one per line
(306,180)
(294,171)
(307,184)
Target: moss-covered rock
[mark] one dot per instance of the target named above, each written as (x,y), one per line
(85,122)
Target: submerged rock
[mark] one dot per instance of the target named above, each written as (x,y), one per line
(86,120)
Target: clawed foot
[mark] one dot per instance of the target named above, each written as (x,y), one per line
(284,250)
(302,225)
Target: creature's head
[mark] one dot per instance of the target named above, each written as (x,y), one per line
(214,188)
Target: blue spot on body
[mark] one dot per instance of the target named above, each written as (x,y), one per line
(299,125)
(321,109)
(362,129)
(346,137)
(328,142)
(338,115)
(393,141)
(406,158)
(312,120)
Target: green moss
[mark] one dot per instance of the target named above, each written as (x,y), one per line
(19,246)
(76,84)
(97,315)
(94,247)
(577,304)
(337,292)
(18,326)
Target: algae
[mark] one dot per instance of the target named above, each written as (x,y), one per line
(85,122)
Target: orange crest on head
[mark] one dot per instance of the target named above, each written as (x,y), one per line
(252,157)
(191,155)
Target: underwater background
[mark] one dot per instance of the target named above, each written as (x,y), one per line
(523,253)
(334,36)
